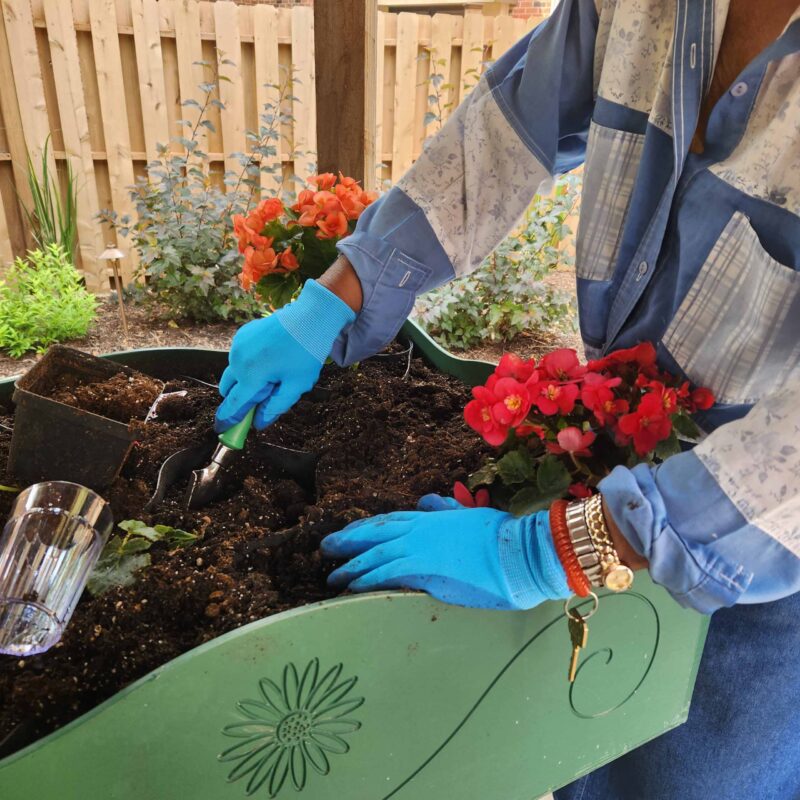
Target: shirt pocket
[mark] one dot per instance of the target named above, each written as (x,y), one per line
(612,164)
(737,331)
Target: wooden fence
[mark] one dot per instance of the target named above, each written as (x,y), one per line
(105,79)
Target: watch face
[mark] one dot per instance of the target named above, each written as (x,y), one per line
(619,578)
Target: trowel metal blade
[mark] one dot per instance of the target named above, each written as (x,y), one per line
(205,484)
(178,466)
(203,488)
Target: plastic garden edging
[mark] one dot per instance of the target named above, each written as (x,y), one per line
(387,695)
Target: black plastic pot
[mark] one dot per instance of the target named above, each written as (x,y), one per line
(54,441)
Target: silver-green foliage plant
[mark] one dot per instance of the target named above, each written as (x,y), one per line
(183,230)
(52,217)
(125,555)
(43,300)
(506,295)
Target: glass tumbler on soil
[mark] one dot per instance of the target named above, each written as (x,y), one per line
(49,546)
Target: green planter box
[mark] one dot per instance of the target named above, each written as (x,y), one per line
(387,695)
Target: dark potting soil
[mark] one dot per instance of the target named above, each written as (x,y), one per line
(121,397)
(383,439)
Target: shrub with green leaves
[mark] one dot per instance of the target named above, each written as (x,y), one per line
(506,295)
(183,232)
(42,301)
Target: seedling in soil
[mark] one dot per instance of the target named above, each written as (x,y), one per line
(124,556)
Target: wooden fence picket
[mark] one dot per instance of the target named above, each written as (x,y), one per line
(231,91)
(472,53)
(304,109)
(440,60)
(24,52)
(405,93)
(268,81)
(111,87)
(191,73)
(75,132)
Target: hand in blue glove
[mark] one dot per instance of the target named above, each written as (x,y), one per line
(274,360)
(476,557)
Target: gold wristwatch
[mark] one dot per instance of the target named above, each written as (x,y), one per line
(603,567)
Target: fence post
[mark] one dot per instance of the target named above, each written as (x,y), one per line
(347,59)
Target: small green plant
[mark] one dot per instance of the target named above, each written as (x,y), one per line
(124,556)
(53,219)
(183,233)
(42,300)
(506,295)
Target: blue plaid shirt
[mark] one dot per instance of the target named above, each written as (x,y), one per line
(697,253)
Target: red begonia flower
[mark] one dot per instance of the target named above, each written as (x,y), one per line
(553,398)
(479,416)
(647,425)
(562,365)
(463,495)
(703,398)
(513,402)
(512,366)
(572,440)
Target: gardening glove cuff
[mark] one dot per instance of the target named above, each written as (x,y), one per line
(529,561)
(316,319)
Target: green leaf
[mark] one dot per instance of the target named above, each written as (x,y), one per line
(114,572)
(134,545)
(552,477)
(530,500)
(484,476)
(277,289)
(668,447)
(686,426)
(135,527)
(516,467)
(175,537)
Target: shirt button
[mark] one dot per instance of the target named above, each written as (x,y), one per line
(641,271)
(739,89)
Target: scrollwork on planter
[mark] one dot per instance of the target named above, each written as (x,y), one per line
(290,727)
(608,652)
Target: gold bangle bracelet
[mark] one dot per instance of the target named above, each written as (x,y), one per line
(615,575)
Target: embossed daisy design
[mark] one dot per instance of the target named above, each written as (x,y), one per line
(292,727)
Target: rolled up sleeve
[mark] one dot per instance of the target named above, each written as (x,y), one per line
(721,524)
(525,121)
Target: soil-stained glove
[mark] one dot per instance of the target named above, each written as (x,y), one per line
(274,360)
(476,557)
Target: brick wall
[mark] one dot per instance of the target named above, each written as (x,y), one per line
(531,8)
(279,3)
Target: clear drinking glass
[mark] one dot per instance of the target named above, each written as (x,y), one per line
(50,544)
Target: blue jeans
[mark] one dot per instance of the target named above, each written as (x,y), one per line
(742,738)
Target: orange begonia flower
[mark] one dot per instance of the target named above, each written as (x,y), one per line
(270,209)
(304,200)
(288,260)
(248,231)
(258,263)
(332,225)
(324,181)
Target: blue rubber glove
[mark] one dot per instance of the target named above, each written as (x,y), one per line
(476,557)
(274,360)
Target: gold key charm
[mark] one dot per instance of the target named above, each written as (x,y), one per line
(579,635)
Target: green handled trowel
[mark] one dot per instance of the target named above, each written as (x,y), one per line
(205,484)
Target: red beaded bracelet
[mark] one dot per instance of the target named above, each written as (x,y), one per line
(576,578)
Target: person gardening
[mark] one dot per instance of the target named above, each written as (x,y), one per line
(686,115)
